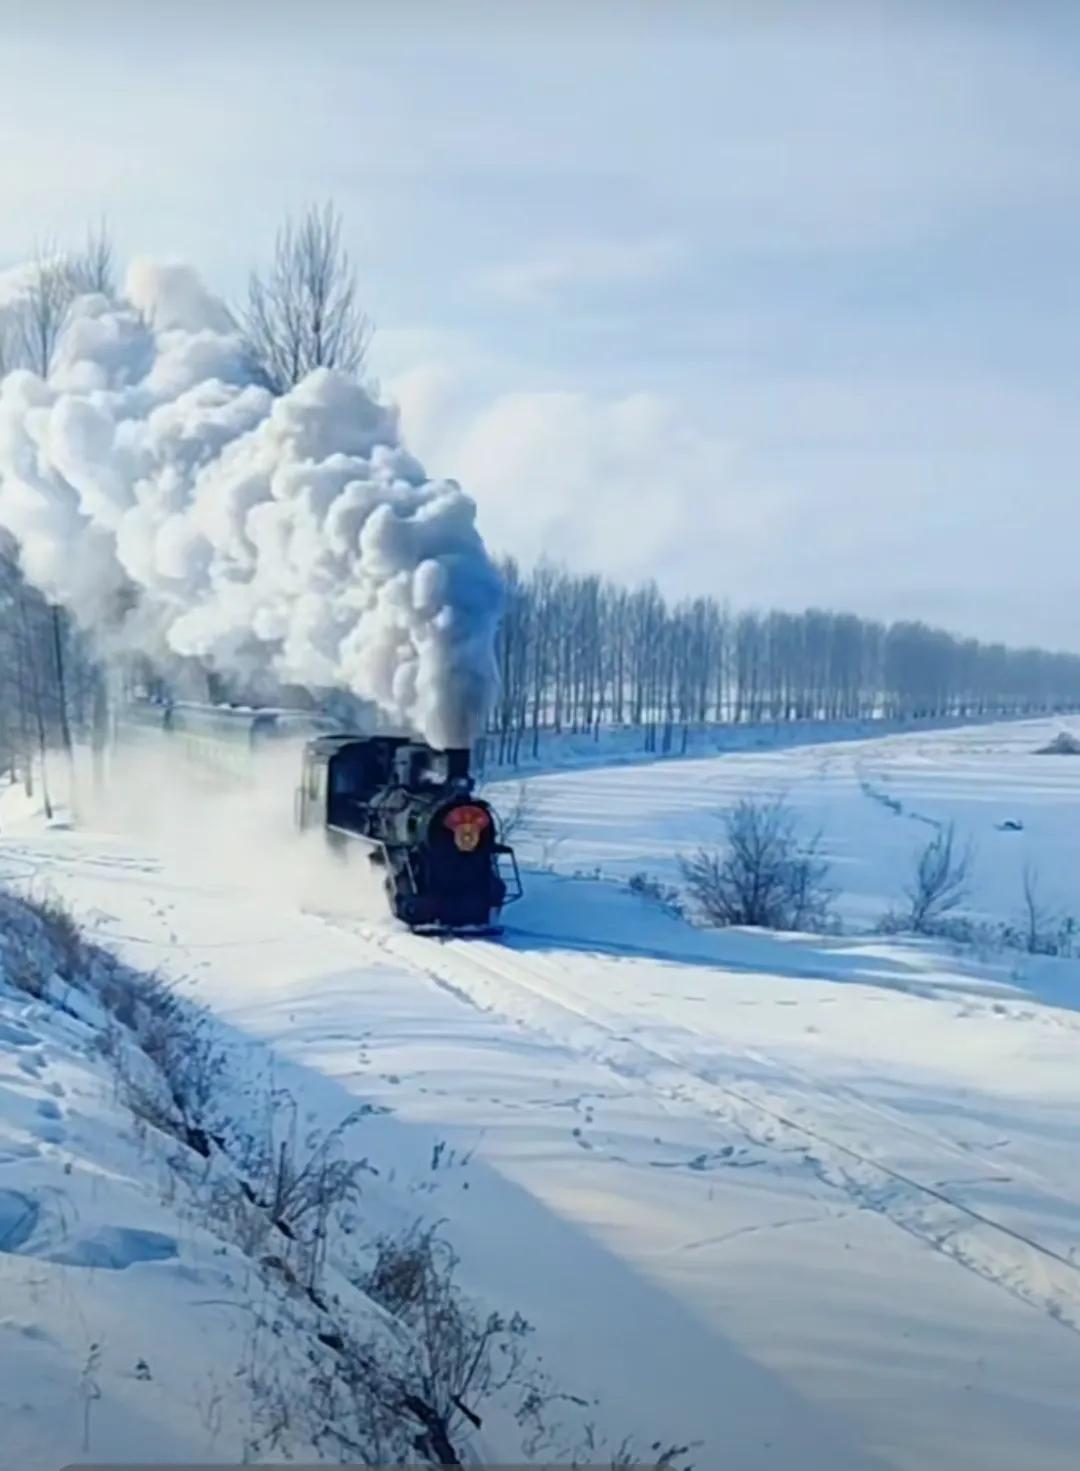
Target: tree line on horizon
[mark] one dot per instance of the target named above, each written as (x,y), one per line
(577,652)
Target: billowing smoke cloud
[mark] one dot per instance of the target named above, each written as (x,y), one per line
(172,503)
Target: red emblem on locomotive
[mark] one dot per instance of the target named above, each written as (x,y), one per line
(467,824)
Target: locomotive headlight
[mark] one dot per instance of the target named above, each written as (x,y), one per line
(467,824)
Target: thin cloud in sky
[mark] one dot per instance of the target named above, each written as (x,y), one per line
(597,264)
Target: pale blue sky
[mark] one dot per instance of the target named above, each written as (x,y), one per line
(776,301)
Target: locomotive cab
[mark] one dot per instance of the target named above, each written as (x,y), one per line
(414,810)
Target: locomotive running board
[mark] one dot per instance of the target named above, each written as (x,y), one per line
(457,932)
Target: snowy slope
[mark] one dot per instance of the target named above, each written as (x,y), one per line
(127,1322)
(804,1202)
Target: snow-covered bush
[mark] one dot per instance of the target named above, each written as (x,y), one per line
(1063,744)
(766,876)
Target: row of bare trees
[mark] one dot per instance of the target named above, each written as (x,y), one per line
(577,653)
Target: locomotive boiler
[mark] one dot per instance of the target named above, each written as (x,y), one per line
(414,810)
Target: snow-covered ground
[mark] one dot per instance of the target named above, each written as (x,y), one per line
(872,800)
(625,744)
(799,1202)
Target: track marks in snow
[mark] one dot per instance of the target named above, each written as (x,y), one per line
(19,1215)
(493,979)
(724,1237)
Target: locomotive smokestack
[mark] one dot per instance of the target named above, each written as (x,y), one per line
(457,764)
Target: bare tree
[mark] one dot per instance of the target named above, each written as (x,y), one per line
(36,694)
(766,876)
(1042,930)
(32,325)
(94,267)
(940,882)
(304,314)
(43,309)
(58,628)
(1033,916)
(10,339)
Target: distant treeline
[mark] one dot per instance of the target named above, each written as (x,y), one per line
(577,653)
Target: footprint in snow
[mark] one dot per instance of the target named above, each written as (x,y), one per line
(19,1215)
(49,1128)
(114,1248)
(32,1331)
(17,1036)
(14,1152)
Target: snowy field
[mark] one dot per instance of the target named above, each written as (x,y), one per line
(792,1201)
(872,800)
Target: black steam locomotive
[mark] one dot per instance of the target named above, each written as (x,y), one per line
(410,807)
(414,809)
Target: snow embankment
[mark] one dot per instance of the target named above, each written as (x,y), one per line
(187,1268)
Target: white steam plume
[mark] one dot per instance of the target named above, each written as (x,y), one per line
(174,505)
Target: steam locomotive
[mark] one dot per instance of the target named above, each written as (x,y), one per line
(415,811)
(410,808)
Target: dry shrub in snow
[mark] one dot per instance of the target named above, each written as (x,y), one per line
(461,1357)
(1043,930)
(766,876)
(520,816)
(301,1187)
(40,939)
(939,884)
(664,896)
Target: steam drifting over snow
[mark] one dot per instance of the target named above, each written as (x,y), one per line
(174,505)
